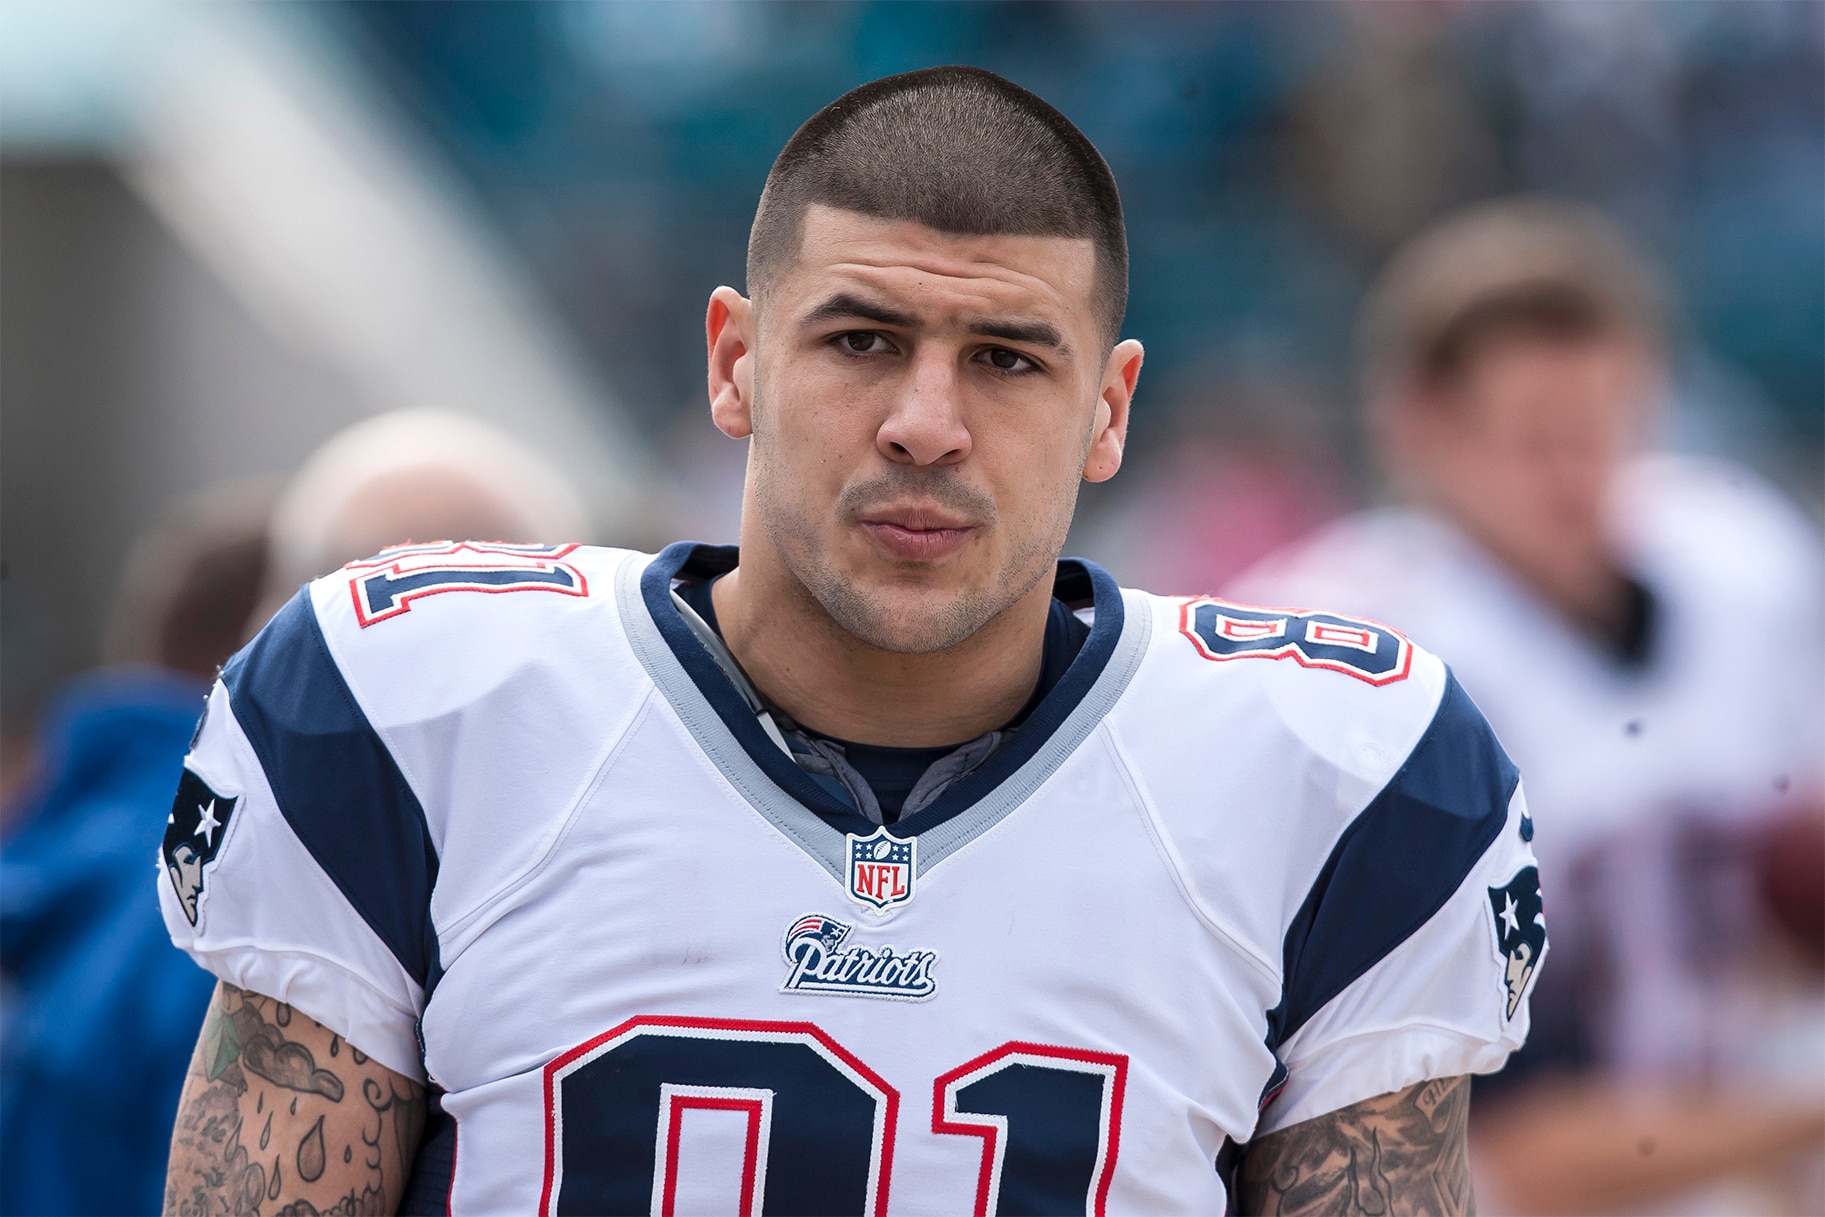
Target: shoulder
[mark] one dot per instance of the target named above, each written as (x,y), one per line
(1284,750)
(422,652)
(421,597)
(1698,525)
(1326,681)
(416,630)
(1337,806)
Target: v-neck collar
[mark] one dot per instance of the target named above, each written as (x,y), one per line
(722,723)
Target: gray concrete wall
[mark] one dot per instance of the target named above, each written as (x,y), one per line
(130,378)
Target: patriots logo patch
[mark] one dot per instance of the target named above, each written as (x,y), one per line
(820,964)
(1519,921)
(193,836)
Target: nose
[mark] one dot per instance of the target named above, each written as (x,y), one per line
(925,426)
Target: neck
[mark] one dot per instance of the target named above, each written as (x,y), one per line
(1588,588)
(1598,602)
(831,681)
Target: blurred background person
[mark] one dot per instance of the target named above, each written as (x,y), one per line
(1647,635)
(412,475)
(100,1010)
(1248,463)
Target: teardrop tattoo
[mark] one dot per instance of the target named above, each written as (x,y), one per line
(311,1156)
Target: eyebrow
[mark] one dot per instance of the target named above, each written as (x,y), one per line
(844,305)
(1034,333)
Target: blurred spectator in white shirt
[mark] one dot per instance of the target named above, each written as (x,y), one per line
(1646,634)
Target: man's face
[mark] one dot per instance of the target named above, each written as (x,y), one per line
(922,407)
(1523,449)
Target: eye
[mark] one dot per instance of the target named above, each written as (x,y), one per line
(863,342)
(1004,360)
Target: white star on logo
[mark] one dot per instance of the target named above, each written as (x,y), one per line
(1508,917)
(206,829)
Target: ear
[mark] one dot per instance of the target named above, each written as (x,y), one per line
(728,329)
(1110,431)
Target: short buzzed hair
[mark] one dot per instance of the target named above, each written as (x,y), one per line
(959,150)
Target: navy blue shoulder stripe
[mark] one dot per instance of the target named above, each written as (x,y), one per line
(1399,861)
(336,783)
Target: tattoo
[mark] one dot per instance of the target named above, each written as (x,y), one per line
(1399,1153)
(310,1153)
(330,1153)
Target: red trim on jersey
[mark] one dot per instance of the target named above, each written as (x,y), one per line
(433,549)
(1291,649)
(1238,629)
(404,559)
(750,1159)
(1328,634)
(944,1097)
(1273,1094)
(783,1030)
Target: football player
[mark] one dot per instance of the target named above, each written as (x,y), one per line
(885,863)
(1515,356)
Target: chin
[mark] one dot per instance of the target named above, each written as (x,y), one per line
(909,620)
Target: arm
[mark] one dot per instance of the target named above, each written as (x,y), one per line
(281,1115)
(1397,1153)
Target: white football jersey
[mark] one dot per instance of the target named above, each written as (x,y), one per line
(494,814)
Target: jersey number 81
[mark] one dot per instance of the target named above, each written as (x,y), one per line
(820,1123)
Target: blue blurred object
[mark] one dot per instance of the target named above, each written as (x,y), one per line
(100,1011)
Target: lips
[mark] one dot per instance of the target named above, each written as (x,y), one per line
(916,535)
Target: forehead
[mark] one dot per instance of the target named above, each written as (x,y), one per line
(1595,360)
(933,272)
(1534,382)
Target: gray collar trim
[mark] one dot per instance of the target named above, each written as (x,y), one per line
(806,828)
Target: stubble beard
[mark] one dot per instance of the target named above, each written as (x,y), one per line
(917,624)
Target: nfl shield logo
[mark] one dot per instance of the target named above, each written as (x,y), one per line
(881,868)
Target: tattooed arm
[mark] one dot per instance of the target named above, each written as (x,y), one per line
(280,1115)
(1399,1153)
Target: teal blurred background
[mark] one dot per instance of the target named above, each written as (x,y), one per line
(1269,154)
(231,229)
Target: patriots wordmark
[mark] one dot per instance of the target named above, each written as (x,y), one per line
(814,949)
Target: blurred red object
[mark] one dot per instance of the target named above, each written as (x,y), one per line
(1790,868)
